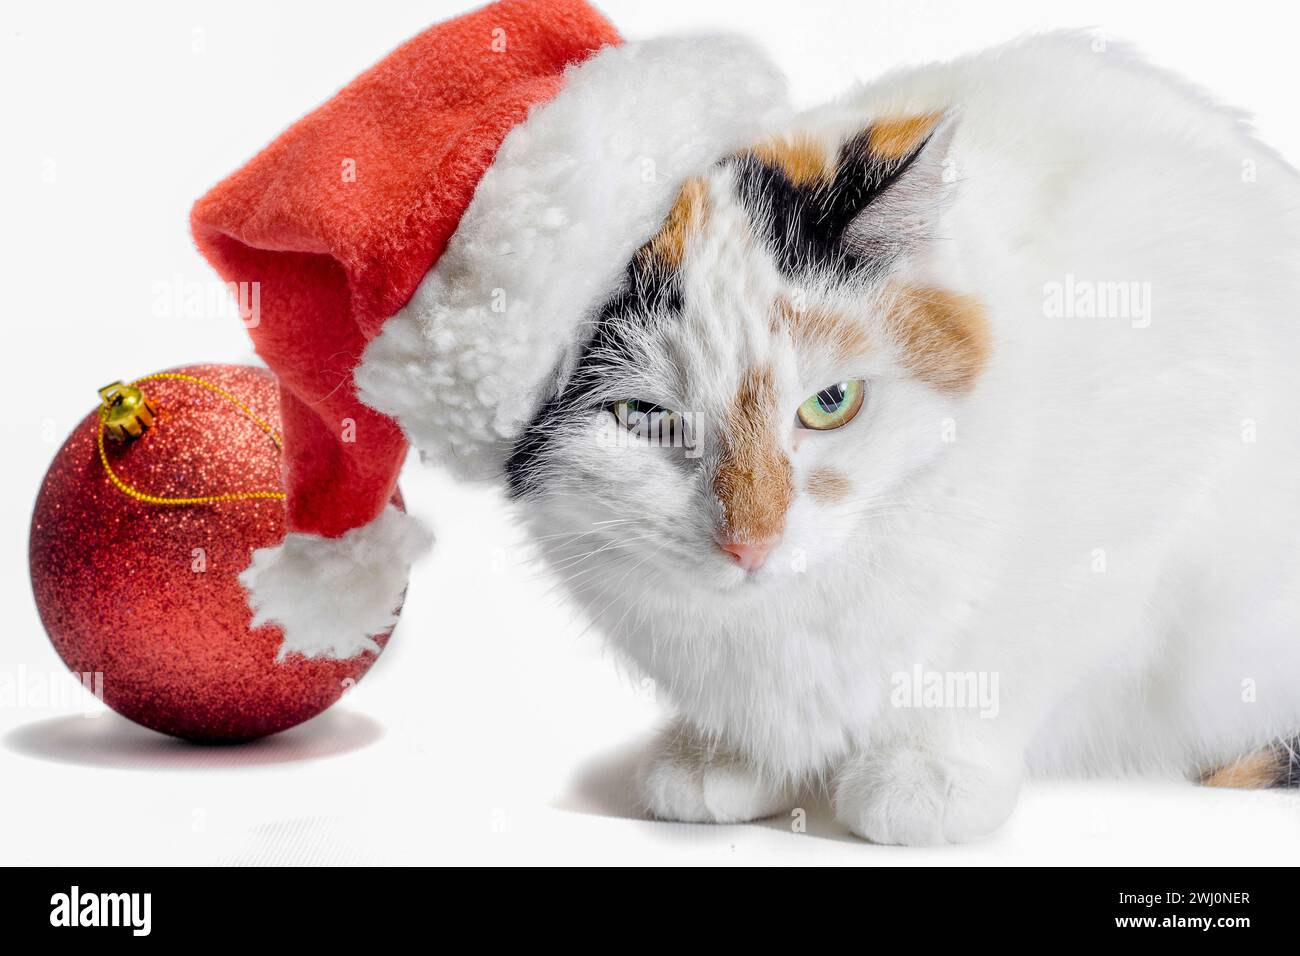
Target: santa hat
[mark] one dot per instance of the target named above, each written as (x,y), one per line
(428,244)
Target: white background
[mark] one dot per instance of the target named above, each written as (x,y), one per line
(493,729)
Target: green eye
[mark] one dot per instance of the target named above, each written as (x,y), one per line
(834,406)
(634,413)
(662,426)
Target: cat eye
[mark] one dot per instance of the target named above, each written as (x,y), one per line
(834,406)
(648,420)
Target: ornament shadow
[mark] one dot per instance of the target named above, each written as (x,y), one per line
(604,784)
(108,740)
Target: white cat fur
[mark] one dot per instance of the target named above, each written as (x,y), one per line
(1109,521)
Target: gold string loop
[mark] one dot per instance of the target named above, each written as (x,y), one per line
(108,394)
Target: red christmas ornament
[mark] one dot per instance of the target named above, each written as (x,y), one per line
(137,544)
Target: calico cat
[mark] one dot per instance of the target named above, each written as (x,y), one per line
(947,435)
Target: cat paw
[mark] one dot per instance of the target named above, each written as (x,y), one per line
(910,797)
(689,783)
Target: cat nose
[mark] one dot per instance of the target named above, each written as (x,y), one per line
(750,555)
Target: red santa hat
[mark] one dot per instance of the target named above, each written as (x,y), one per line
(428,243)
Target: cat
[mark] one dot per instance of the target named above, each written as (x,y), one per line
(944,437)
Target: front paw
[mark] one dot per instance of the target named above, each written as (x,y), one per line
(684,780)
(912,797)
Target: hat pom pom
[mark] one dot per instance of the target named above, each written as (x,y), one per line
(334,596)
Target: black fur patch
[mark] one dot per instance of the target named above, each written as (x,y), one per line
(648,288)
(804,225)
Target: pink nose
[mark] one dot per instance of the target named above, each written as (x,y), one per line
(750,555)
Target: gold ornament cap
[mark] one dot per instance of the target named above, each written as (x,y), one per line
(125,412)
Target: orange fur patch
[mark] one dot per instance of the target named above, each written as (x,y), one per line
(944,336)
(1257,771)
(754,480)
(897,137)
(802,158)
(828,485)
(831,331)
(686,218)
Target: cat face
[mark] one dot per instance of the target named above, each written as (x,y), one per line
(773,371)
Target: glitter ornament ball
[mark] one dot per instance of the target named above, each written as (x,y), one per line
(144,590)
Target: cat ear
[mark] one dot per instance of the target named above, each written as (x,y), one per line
(892,182)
